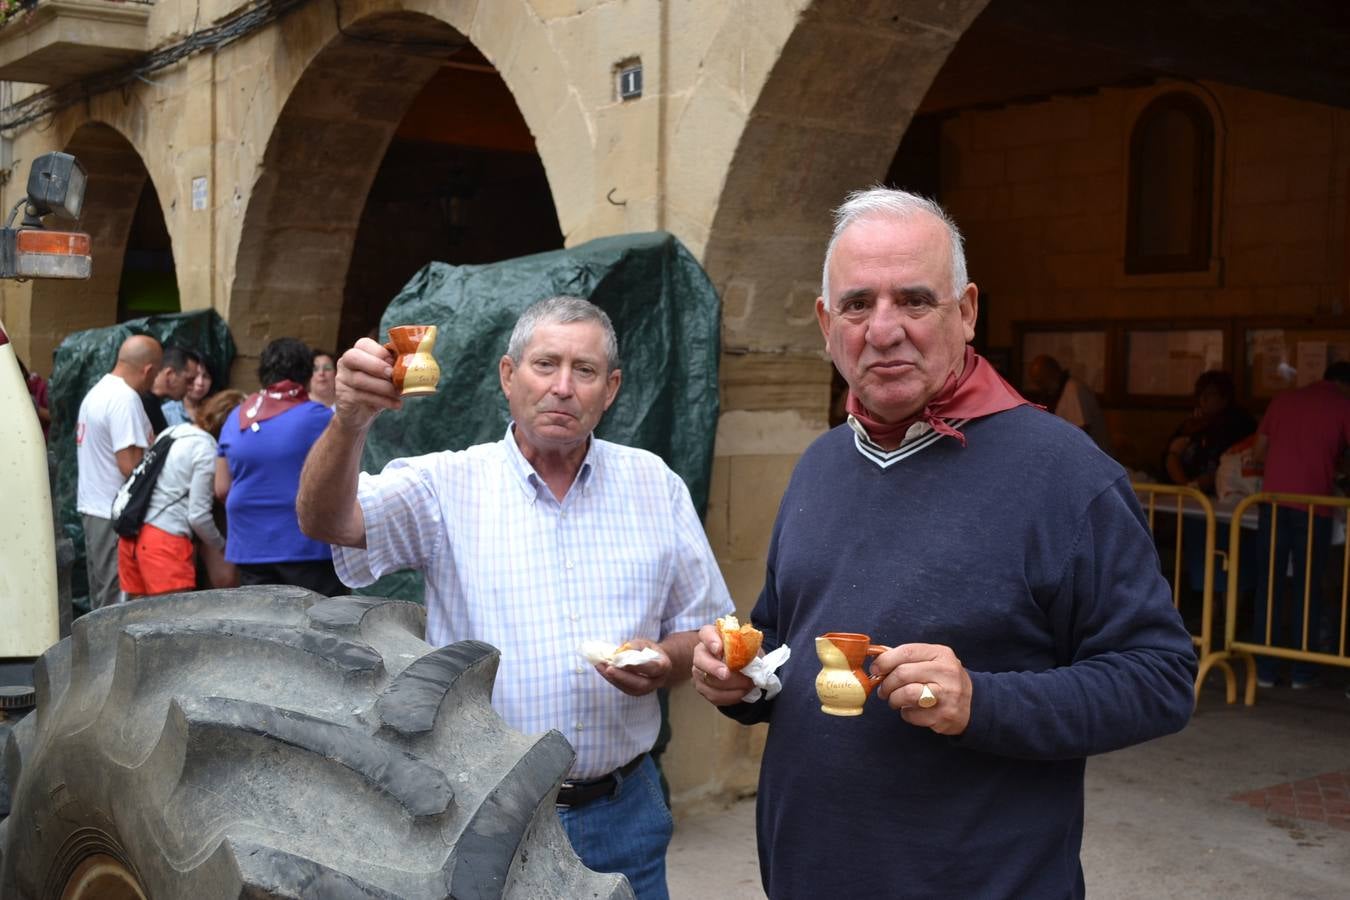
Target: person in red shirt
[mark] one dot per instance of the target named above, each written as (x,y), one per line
(1302,440)
(37,389)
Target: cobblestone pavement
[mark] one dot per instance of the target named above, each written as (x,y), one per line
(1245,803)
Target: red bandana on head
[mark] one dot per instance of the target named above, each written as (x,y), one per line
(979,391)
(274,400)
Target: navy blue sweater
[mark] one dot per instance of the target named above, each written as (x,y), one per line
(1026,552)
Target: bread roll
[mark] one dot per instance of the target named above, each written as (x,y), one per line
(740,643)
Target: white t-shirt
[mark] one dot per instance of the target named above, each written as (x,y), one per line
(111,419)
(1078,405)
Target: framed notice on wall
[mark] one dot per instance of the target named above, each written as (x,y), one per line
(1166,362)
(1281,358)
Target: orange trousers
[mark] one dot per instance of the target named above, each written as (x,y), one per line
(156,562)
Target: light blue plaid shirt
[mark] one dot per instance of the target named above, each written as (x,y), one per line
(623,556)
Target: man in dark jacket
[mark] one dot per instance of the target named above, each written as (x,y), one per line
(175,375)
(1003,558)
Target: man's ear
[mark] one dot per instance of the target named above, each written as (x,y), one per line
(505,369)
(612,386)
(823,319)
(970,308)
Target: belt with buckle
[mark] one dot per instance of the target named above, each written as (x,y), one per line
(578,793)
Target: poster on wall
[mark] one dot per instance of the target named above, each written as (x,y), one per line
(1310,361)
(1081,353)
(1283,358)
(1166,363)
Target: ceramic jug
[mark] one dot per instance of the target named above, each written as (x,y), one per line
(843,684)
(415,370)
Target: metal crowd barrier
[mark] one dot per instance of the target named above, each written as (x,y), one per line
(1264,645)
(1164,501)
(1179,503)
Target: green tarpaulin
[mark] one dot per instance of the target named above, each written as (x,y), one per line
(86,356)
(665,311)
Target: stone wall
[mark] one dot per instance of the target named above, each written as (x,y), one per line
(1040,190)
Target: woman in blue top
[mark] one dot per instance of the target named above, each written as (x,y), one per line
(263,445)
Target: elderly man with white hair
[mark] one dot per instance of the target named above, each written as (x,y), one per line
(535,544)
(1002,557)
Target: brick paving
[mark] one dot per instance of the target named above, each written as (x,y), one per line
(1322,798)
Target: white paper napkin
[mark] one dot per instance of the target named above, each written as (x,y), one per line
(761,670)
(597,652)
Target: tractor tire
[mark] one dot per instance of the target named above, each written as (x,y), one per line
(270,742)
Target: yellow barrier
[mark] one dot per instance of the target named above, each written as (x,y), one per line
(1248,650)
(1182,498)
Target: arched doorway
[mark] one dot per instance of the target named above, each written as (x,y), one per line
(396,132)
(121,214)
(463,187)
(149,284)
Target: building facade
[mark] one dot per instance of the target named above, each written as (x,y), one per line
(288,164)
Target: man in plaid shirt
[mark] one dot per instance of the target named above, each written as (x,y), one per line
(536,543)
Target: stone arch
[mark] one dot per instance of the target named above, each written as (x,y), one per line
(827,120)
(117,176)
(343,102)
(323,152)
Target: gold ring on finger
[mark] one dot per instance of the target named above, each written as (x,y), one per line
(927,699)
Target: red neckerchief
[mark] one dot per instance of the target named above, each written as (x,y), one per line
(979,391)
(274,400)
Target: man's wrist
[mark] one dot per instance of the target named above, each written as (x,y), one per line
(349,429)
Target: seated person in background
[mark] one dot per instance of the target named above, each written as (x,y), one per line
(1216,424)
(1070,399)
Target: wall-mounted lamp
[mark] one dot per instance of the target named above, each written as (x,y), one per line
(56,185)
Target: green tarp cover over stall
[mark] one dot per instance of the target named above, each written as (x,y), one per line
(86,356)
(664,309)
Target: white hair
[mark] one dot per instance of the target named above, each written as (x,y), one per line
(562,310)
(891,203)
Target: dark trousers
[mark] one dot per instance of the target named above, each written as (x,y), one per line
(318,576)
(1291,553)
(100,561)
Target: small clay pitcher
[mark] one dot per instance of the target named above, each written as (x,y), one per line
(843,684)
(415,369)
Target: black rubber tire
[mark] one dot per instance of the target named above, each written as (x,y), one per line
(270,742)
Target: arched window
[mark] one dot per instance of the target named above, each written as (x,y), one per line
(1171,187)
